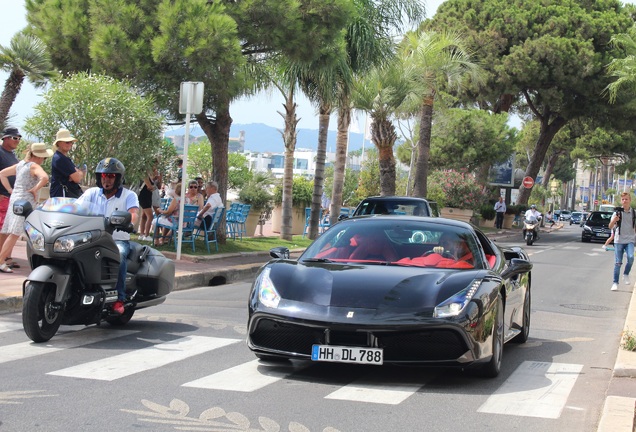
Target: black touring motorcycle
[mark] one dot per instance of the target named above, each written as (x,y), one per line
(75,262)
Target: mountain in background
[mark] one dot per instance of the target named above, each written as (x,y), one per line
(262,138)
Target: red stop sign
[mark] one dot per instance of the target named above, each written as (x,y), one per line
(527,182)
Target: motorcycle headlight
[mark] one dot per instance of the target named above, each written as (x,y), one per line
(70,242)
(454,305)
(267,293)
(36,238)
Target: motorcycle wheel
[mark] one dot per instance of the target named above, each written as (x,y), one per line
(121,319)
(529,240)
(39,319)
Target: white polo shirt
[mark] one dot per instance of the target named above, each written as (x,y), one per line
(123,200)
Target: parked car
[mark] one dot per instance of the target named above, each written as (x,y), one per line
(596,227)
(379,290)
(398,205)
(577,218)
(565,215)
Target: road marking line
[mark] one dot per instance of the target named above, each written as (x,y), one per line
(535,389)
(23,350)
(247,377)
(374,389)
(119,366)
(10,326)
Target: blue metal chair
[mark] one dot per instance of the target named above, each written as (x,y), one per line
(209,232)
(242,217)
(188,219)
(231,220)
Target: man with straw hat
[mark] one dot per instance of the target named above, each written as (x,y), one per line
(65,176)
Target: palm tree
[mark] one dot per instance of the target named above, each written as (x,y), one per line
(369,43)
(433,60)
(381,92)
(321,82)
(25,57)
(623,69)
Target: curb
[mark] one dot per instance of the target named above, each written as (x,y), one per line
(626,360)
(187,280)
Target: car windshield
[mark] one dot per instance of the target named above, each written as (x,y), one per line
(392,206)
(70,205)
(397,242)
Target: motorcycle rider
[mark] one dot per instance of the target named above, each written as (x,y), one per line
(532,214)
(110,195)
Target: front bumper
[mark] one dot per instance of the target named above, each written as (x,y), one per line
(438,343)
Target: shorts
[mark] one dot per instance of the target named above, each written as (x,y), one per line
(4,206)
(145,198)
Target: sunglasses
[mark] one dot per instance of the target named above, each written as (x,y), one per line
(14,138)
(194,187)
(108,176)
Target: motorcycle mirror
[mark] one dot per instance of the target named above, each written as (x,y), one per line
(22,208)
(120,219)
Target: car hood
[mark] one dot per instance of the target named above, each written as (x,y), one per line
(368,286)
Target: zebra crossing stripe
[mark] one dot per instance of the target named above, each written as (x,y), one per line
(119,366)
(247,377)
(372,389)
(60,342)
(10,326)
(535,389)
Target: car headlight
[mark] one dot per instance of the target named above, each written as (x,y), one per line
(70,242)
(267,293)
(454,305)
(35,237)
(587,228)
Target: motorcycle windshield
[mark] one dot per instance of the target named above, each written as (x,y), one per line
(72,206)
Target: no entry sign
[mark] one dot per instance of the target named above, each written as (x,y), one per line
(527,182)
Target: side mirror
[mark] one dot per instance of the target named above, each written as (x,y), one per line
(517,266)
(120,220)
(22,208)
(342,217)
(279,252)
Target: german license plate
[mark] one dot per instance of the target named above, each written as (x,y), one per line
(603,235)
(341,354)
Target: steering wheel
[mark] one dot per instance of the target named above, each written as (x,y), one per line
(445,254)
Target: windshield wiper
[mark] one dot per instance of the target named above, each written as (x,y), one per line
(318,260)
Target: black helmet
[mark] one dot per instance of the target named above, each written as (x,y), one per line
(110,166)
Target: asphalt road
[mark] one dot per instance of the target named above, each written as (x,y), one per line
(184,365)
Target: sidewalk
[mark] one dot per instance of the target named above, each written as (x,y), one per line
(218,269)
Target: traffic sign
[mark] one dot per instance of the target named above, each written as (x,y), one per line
(527,182)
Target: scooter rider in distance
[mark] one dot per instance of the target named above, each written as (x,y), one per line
(533,214)
(110,196)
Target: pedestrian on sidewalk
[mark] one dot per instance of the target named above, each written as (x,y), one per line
(10,139)
(624,219)
(149,200)
(500,208)
(29,179)
(65,176)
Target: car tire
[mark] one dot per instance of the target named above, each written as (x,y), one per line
(493,367)
(522,337)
